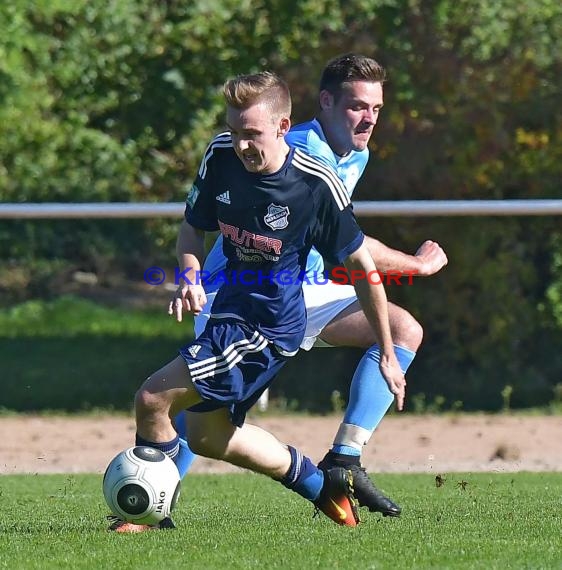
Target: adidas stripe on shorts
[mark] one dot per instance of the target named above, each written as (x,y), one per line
(231,365)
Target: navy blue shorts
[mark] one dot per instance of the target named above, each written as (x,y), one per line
(231,365)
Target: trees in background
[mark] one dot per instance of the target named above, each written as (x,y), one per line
(115,100)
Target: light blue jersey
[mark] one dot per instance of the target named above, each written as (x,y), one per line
(310,138)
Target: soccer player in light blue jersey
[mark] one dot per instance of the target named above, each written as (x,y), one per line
(350,100)
(271,203)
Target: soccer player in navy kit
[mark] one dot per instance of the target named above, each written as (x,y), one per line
(271,203)
(351,97)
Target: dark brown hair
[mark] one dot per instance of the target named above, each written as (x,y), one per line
(350,67)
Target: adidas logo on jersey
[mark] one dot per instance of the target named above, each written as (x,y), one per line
(224,197)
(193,350)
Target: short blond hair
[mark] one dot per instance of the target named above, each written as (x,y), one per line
(264,87)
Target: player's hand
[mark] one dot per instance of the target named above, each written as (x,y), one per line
(432,258)
(392,373)
(187,298)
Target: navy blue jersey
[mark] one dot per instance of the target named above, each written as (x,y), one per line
(268,223)
(311,139)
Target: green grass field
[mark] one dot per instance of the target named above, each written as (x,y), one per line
(486,521)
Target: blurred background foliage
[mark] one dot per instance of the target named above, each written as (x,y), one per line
(115,100)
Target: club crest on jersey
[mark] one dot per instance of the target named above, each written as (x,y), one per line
(277,217)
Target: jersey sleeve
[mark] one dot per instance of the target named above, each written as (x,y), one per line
(336,233)
(310,143)
(200,203)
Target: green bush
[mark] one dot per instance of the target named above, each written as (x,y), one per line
(115,101)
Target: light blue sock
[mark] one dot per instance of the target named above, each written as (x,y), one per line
(369,395)
(185,456)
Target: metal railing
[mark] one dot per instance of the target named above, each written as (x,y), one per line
(361,209)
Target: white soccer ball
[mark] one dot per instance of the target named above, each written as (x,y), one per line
(141,485)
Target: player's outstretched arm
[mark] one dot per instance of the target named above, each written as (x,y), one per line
(374,303)
(190,295)
(428,259)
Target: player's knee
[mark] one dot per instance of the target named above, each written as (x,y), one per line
(416,334)
(409,333)
(148,403)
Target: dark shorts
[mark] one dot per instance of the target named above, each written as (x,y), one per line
(231,365)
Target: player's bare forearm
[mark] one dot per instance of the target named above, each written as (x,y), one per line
(428,259)
(190,295)
(190,249)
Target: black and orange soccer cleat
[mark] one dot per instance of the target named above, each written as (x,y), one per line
(365,491)
(370,496)
(336,499)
